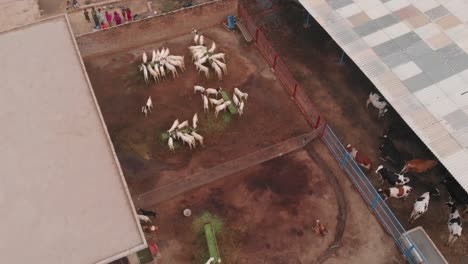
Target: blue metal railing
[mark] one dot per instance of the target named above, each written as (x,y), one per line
(349,165)
(371,196)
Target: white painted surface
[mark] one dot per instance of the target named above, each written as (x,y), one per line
(62,194)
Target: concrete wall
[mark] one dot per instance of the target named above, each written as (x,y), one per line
(156,28)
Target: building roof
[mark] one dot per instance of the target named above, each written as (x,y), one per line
(415,53)
(62,192)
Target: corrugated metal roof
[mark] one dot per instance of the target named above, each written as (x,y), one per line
(416,54)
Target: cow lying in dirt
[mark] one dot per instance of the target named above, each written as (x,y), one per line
(401,191)
(361,159)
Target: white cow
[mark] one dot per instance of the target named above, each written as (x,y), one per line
(221,65)
(240,94)
(217,69)
(183,124)
(205,104)
(195,121)
(144,57)
(221,107)
(145,72)
(420,207)
(149,104)
(218,56)
(378,103)
(170,143)
(216,102)
(148,107)
(187,140)
(198,88)
(192,138)
(203,68)
(201,40)
(196,36)
(236,100)
(144,218)
(211,91)
(241,108)
(179,135)
(213,47)
(455,224)
(197,137)
(153,73)
(162,71)
(203,59)
(174,125)
(144,110)
(172,69)
(153,59)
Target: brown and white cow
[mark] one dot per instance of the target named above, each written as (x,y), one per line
(401,191)
(361,159)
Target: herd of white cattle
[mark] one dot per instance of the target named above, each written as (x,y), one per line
(162,64)
(220,104)
(205,58)
(184,132)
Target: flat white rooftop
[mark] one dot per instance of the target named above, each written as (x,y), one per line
(63,198)
(416,54)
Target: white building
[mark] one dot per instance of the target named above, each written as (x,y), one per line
(63,198)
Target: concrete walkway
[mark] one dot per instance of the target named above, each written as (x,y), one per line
(166,192)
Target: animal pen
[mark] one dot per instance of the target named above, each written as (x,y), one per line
(377,205)
(93,44)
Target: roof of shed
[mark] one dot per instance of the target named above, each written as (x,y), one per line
(416,54)
(62,192)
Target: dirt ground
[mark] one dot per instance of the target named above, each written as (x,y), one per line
(268,212)
(145,158)
(340,92)
(16,13)
(267,120)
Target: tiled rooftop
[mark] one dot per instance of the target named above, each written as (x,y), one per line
(416,54)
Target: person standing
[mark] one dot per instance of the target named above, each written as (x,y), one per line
(86,15)
(124,15)
(69,5)
(101,17)
(117,18)
(76,4)
(109,19)
(129,15)
(95,18)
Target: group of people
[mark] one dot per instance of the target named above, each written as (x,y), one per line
(73,4)
(103,21)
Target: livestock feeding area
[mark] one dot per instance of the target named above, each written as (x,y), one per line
(266,208)
(288,189)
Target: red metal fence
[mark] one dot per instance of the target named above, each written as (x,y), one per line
(383,213)
(311,113)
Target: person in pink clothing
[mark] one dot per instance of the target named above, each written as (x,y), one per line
(109,19)
(117,18)
(129,15)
